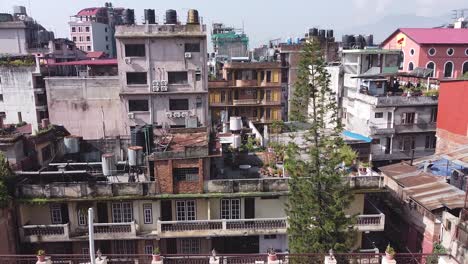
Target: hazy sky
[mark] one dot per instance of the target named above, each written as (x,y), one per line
(262,19)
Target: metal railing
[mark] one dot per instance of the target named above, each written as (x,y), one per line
(246,102)
(105,228)
(314,258)
(370,222)
(223,224)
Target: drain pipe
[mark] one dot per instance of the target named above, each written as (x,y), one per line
(91,235)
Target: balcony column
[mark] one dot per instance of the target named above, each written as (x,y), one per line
(209,209)
(385,260)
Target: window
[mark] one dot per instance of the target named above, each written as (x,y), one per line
(465,67)
(408,118)
(185,210)
(85,251)
(410,66)
(138,106)
(178,104)
(223,96)
(411,52)
(148,213)
(190,246)
(192,47)
(136,78)
(401,60)
(107,47)
(88,38)
(448,69)
(46,153)
(2,115)
(122,212)
(185,174)
(135,50)
(268,95)
(74,39)
(123,247)
(80,29)
(107,38)
(431,142)
(1,97)
(431,65)
(73,29)
(105,29)
(434,115)
(406,143)
(179,77)
(57,46)
(378,115)
(88,48)
(149,248)
(87,29)
(82,217)
(268,114)
(81,39)
(268,76)
(56,213)
(450,51)
(230,209)
(431,51)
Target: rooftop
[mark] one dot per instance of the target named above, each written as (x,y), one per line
(434,35)
(91,11)
(86,62)
(252,65)
(371,51)
(160,31)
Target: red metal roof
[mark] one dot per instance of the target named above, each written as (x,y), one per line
(434,35)
(86,62)
(95,54)
(92,11)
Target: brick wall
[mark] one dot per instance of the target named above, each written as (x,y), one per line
(165,178)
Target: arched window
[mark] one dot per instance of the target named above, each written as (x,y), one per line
(448,69)
(431,65)
(465,68)
(432,51)
(410,66)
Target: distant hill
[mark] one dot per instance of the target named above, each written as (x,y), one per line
(385,26)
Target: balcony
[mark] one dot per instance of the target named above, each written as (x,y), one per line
(45,233)
(395,100)
(415,128)
(401,155)
(381,128)
(270,84)
(246,102)
(106,231)
(217,84)
(85,189)
(246,83)
(370,223)
(225,103)
(270,102)
(247,185)
(222,227)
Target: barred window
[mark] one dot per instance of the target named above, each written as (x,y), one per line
(149,248)
(122,212)
(185,174)
(186,210)
(230,208)
(82,221)
(148,213)
(190,246)
(56,213)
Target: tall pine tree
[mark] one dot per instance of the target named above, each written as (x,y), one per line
(318,191)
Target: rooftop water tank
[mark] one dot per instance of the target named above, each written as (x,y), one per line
(369,40)
(235,123)
(128,16)
(19,10)
(313,32)
(330,33)
(322,33)
(72,144)
(150,17)
(5,17)
(192,17)
(171,16)
(135,156)
(108,164)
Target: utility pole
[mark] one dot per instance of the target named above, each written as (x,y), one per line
(91,235)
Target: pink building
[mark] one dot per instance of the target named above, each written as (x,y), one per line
(443,49)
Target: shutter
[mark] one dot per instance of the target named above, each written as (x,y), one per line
(259,78)
(217,97)
(275,76)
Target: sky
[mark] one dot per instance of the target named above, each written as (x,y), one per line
(262,20)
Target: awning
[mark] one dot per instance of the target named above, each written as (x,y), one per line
(356,136)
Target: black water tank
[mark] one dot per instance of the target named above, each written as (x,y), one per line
(150,17)
(322,33)
(128,16)
(369,40)
(313,32)
(4,17)
(171,16)
(330,33)
(148,137)
(360,41)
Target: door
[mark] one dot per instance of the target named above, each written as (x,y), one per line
(166,210)
(249,208)
(102,214)
(388,145)
(389,120)
(171,246)
(64,213)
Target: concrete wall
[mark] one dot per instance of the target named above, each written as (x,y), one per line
(8,235)
(88,107)
(16,86)
(164,55)
(13,41)
(98,38)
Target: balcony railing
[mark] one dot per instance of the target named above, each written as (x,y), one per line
(114,230)
(217,84)
(270,102)
(45,233)
(366,223)
(246,83)
(415,128)
(246,102)
(222,227)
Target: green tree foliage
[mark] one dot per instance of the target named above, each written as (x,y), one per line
(5,180)
(319,194)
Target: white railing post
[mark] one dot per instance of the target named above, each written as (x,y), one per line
(224,224)
(385,260)
(91,235)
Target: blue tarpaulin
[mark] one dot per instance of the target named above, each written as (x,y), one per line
(356,136)
(442,167)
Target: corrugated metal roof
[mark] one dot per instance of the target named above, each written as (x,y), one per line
(435,35)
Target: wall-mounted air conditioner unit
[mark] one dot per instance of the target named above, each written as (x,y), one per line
(188,55)
(176,114)
(169,114)
(128,60)
(163,82)
(163,88)
(184,114)
(131,115)
(155,86)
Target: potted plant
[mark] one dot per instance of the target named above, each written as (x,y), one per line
(41,255)
(272,255)
(389,252)
(156,254)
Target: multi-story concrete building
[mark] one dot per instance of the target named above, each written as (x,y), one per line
(251,90)
(444,50)
(163,74)
(92,29)
(400,127)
